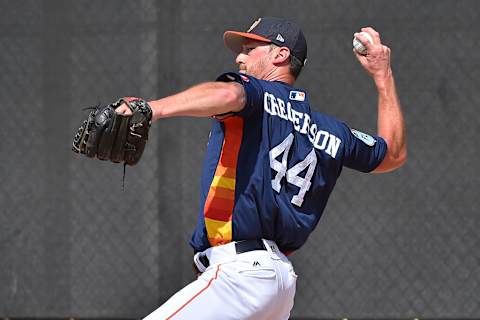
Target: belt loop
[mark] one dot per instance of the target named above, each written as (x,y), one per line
(272,248)
(198,262)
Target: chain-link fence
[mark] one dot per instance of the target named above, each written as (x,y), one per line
(72,244)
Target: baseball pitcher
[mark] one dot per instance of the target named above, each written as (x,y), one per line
(270,166)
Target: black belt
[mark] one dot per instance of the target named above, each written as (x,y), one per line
(241,246)
(249,245)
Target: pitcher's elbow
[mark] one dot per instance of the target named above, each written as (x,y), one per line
(399,159)
(402,160)
(234,97)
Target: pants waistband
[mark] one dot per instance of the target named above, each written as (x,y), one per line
(227,252)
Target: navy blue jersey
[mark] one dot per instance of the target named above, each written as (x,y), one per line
(270,168)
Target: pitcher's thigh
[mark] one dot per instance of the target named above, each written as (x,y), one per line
(211,296)
(235,290)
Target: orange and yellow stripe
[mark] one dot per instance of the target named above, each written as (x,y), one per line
(218,210)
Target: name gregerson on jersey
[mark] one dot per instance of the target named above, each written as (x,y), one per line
(302,123)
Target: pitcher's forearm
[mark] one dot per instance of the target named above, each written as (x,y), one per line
(391,126)
(203,100)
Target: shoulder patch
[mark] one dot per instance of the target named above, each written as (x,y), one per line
(297,95)
(366,138)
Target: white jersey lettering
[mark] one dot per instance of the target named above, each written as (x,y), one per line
(306,123)
(266,103)
(321,140)
(333,145)
(281,105)
(296,116)
(312,133)
(302,123)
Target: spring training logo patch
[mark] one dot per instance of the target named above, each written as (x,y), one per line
(297,95)
(366,138)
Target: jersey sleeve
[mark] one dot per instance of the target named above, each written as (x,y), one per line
(253,89)
(362,151)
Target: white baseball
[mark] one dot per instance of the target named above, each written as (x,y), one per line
(359,47)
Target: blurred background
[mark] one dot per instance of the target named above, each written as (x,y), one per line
(73,244)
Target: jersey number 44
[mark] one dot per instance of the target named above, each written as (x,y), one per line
(292,174)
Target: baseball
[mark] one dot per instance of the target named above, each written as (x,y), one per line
(359,47)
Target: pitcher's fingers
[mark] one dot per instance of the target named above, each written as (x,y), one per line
(364,41)
(375,35)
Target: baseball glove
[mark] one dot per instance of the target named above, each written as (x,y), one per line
(109,135)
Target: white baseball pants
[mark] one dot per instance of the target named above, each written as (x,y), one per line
(256,285)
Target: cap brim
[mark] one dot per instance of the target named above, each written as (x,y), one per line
(234,39)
